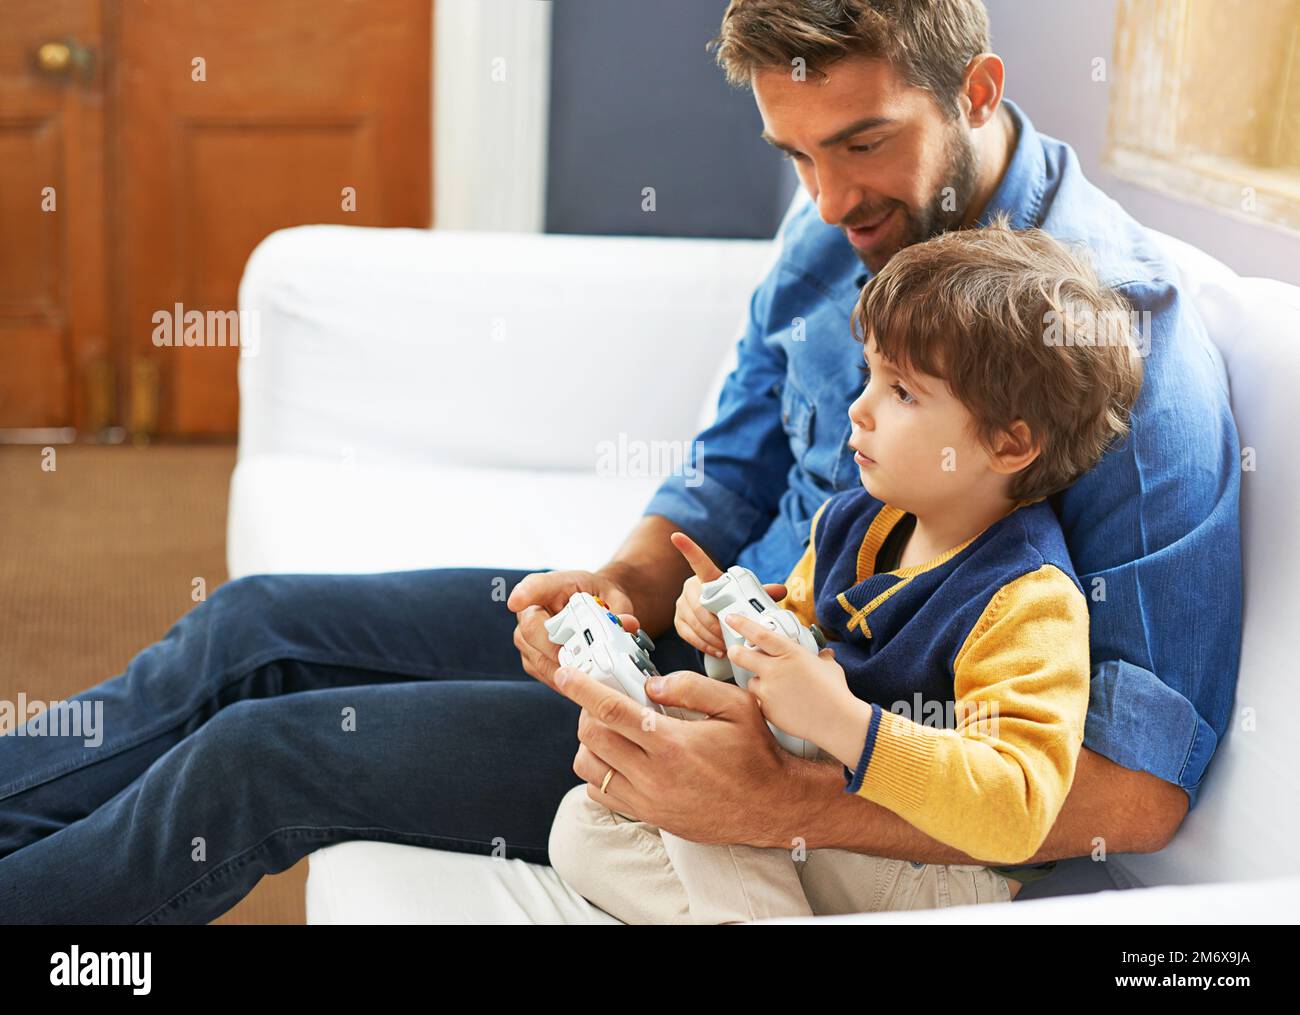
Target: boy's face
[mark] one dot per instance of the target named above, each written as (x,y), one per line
(877,155)
(914,441)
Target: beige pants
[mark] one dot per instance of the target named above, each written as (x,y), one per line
(643,875)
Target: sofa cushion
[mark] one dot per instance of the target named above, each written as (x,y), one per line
(295,514)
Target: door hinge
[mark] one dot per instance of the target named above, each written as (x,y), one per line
(101,396)
(144,400)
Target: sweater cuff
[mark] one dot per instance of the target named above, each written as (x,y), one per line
(854,779)
(896,764)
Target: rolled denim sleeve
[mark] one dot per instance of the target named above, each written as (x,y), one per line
(1154,533)
(1138,721)
(733,493)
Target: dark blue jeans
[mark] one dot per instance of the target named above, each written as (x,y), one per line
(286,713)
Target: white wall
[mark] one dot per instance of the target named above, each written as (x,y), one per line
(491,89)
(1049,47)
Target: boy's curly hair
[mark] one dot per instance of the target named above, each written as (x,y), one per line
(1019,327)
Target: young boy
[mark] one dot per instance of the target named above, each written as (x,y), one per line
(999,369)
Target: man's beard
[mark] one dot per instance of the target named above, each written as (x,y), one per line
(944,211)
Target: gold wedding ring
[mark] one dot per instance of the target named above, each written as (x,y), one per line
(608,775)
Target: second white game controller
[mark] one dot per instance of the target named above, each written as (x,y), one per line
(592,639)
(738,592)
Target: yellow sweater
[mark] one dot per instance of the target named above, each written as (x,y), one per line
(990,637)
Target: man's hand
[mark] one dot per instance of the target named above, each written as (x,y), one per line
(696,625)
(540,596)
(722,779)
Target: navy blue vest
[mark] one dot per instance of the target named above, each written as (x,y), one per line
(897,633)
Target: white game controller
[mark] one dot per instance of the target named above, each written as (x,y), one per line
(593,640)
(740,593)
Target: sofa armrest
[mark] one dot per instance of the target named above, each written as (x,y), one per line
(402,345)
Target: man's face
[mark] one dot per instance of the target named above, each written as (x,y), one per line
(874,152)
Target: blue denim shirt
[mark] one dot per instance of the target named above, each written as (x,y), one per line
(1153,529)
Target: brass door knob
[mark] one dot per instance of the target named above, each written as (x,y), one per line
(63,58)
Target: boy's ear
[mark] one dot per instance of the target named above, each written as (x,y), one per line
(1014,449)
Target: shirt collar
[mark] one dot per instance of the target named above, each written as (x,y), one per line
(1020,191)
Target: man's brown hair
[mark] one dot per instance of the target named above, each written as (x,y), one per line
(929,42)
(1019,327)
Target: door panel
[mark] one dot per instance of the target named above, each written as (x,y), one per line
(165,173)
(297,100)
(52,288)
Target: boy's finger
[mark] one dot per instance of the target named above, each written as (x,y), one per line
(690,632)
(707,619)
(760,635)
(749,658)
(705,640)
(707,622)
(703,567)
(776,591)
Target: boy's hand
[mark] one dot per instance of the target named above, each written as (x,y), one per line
(806,695)
(694,624)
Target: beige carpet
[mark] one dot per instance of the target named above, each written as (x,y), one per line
(98,558)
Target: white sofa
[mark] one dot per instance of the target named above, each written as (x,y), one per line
(411,384)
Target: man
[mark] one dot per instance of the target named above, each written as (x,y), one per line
(894,118)
(289,712)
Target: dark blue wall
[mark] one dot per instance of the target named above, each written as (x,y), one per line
(637,101)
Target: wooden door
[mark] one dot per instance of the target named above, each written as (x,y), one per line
(55,349)
(176,136)
(242,117)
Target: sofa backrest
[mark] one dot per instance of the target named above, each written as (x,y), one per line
(1246,823)
(487,350)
